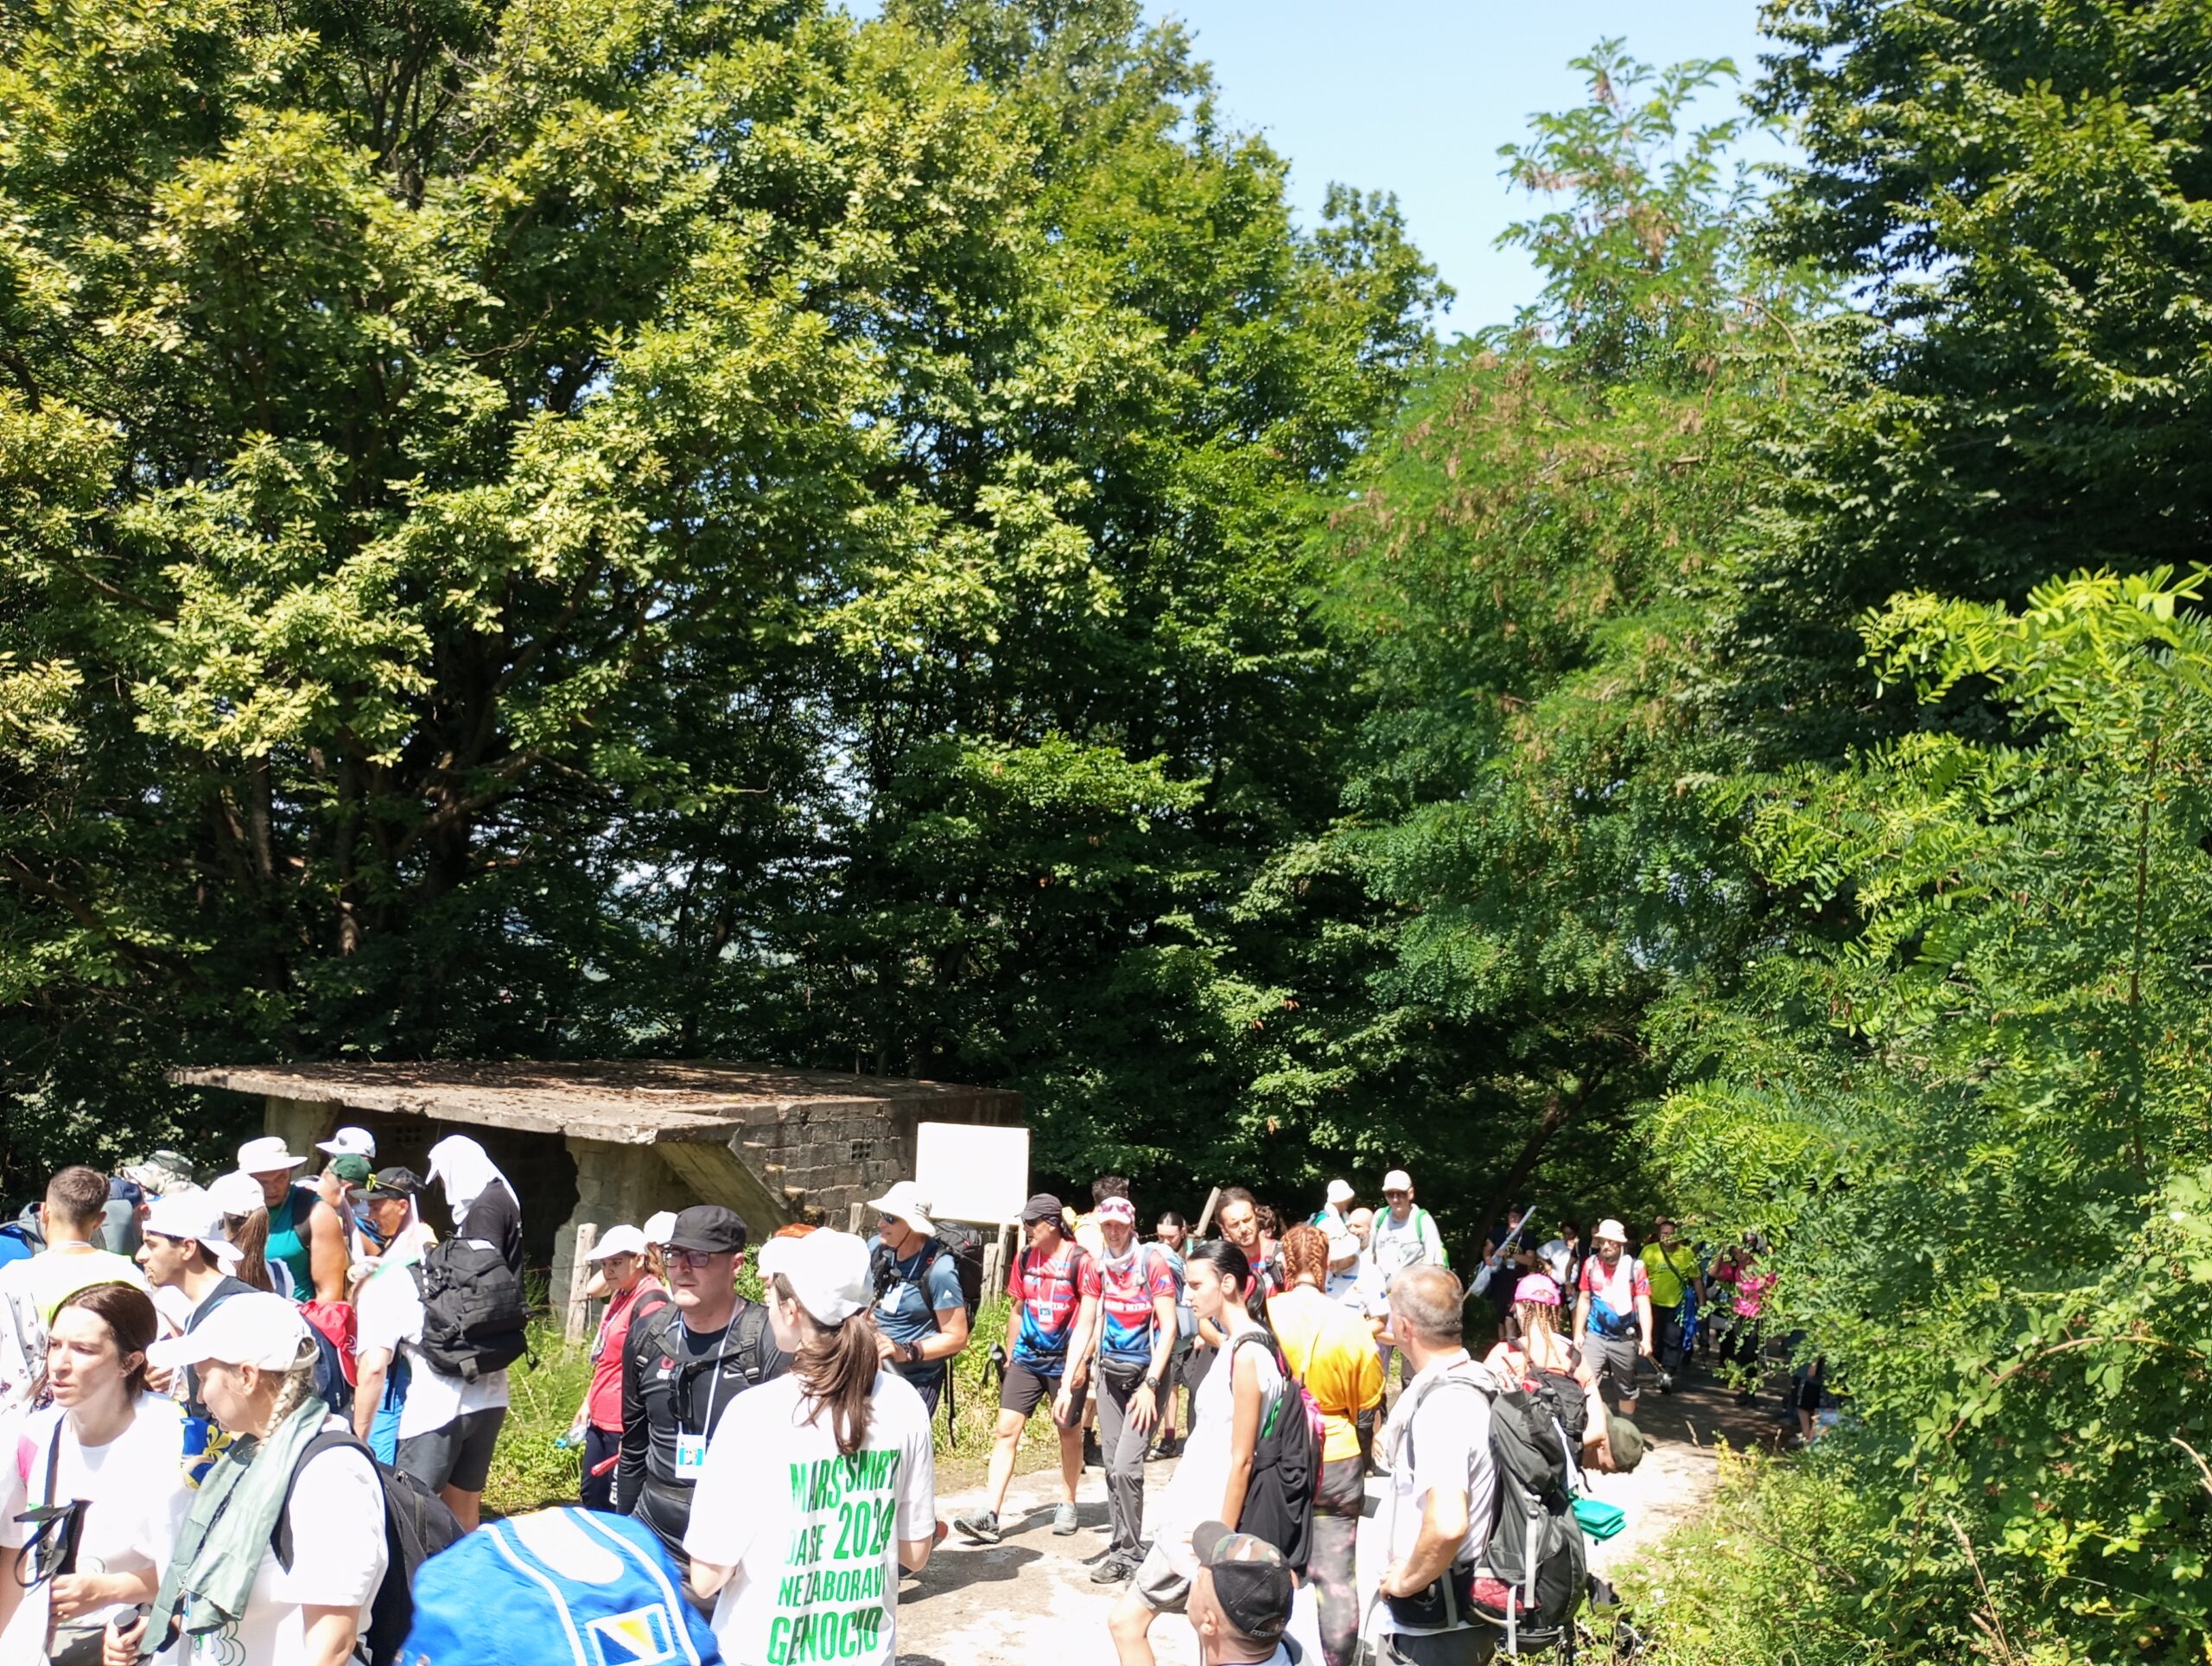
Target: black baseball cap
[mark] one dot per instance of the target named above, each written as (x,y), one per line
(1042,1207)
(397,1181)
(708,1229)
(1251,1580)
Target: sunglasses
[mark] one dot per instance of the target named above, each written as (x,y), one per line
(695,1259)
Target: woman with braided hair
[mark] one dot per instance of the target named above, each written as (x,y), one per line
(301,1482)
(1331,1349)
(1541,1354)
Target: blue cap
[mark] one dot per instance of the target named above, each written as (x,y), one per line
(537,1587)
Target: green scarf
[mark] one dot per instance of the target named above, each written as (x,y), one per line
(228,1527)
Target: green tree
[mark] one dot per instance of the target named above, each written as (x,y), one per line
(1526,579)
(1966,1097)
(2013,192)
(568,528)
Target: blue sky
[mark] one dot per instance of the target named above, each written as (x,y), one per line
(1417,96)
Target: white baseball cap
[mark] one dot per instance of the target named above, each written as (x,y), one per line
(619,1240)
(350,1142)
(905,1201)
(237,1193)
(1610,1229)
(1397,1180)
(255,1328)
(192,1214)
(829,1273)
(658,1227)
(266,1156)
(1340,1192)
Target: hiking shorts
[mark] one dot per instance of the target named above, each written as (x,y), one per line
(1613,1359)
(1024,1390)
(458,1455)
(1163,1590)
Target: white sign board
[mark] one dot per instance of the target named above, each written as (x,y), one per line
(972,1173)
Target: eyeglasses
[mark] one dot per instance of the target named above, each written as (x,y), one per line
(1397,1195)
(694,1259)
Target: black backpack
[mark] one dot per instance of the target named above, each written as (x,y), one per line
(1535,1567)
(474,1317)
(417,1526)
(1285,1463)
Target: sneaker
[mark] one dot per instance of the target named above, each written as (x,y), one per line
(1064,1520)
(1170,1447)
(981,1527)
(1116,1568)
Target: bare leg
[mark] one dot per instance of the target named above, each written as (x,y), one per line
(1005,1439)
(1128,1625)
(1071,1460)
(468,1507)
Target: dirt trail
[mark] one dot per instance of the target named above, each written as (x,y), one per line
(1029,1598)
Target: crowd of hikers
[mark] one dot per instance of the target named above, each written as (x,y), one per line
(251,1421)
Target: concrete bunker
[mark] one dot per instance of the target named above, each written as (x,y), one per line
(590,1143)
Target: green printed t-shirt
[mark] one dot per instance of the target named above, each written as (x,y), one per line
(812,1534)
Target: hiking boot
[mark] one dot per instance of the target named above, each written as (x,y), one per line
(1172,1446)
(981,1527)
(1116,1568)
(1094,1456)
(1064,1522)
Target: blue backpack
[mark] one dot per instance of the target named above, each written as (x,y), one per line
(560,1584)
(18,1242)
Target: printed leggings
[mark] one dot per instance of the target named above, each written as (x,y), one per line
(1329,1563)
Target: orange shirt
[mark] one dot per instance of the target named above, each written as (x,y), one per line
(1331,1349)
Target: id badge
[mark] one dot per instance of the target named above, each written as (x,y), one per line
(691,1455)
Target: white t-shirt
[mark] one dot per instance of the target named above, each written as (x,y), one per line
(1449,1446)
(1394,1245)
(338,1561)
(135,1496)
(1193,1493)
(388,1316)
(813,1534)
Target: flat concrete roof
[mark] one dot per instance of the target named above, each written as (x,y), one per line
(627,1102)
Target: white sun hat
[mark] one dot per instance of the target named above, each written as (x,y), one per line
(237,1193)
(350,1142)
(658,1227)
(1341,1191)
(905,1201)
(1397,1180)
(192,1215)
(1610,1229)
(829,1273)
(254,1328)
(267,1155)
(618,1240)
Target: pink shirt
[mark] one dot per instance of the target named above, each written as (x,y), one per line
(604,1401)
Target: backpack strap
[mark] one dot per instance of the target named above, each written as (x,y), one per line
(327,1440)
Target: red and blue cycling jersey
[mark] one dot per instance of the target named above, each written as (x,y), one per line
(1049,1290)
(1125,1295)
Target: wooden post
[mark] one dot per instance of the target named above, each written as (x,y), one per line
(1206,1215)
(853,1218)
(996,1256)
(578,1309)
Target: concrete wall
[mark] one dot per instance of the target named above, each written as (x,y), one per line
(809,1162)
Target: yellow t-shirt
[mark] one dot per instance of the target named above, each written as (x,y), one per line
(1671,1268)
(1331,1348)
(55,1276)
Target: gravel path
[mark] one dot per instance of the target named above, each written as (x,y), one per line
(1029,1598)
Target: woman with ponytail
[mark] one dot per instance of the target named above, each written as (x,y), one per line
(1210,1482)
(227,1597)
(819,1485)
(97,1474)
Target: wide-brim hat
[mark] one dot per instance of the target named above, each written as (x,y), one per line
(267,1155)
(904,1201)
(1612,1229)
